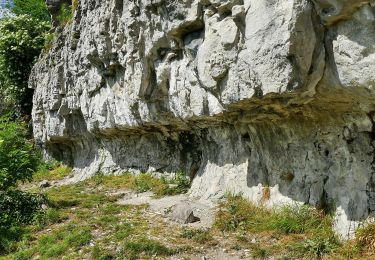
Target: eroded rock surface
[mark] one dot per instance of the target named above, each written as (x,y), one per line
(274,99)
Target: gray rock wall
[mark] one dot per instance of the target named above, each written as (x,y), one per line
(247,96)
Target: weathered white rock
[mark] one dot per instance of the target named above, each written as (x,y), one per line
(183,213)
(354,49)
(242,95)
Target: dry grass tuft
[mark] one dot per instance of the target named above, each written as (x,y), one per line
(366,238)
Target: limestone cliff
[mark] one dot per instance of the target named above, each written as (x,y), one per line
(251,96)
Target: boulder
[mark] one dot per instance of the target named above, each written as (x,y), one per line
(44,184)
(183,213)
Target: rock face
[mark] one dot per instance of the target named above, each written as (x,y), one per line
(273,99)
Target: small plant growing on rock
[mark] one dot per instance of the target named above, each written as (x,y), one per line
(66,14)
(49,39)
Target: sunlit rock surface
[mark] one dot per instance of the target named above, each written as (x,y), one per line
(244,96)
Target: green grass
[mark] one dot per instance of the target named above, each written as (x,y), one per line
(315,246)
(142,183)
(48,217)
(72,236)
(86,213)
(237,213)
(299,219)
(99,253)
(83,221)
(259,253)
(200,236)
(133,249)
(303,230)
(56,244)
(123,231)
(365,240)
(74,214)
(52,171)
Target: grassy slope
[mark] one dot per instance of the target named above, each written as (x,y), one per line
(83,221)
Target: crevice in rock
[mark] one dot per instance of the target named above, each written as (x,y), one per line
(119,5)
(192,40)
(371,184)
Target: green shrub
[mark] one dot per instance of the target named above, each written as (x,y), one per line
(17,209)
(34,8)
(18,161)
(18,157)
(21,40)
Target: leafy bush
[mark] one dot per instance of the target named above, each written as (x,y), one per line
(34,8)
(16,209)
(18,158)
(21,40)
(18,161)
